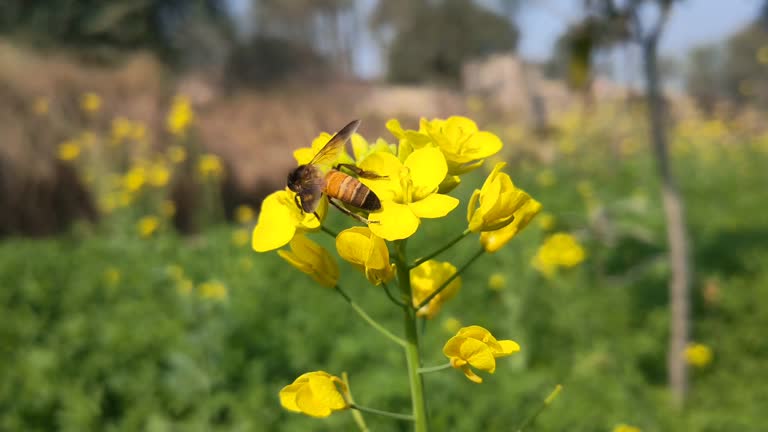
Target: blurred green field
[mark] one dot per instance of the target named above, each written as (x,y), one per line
(99,334)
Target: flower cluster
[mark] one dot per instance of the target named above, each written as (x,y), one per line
(412,180)
(698,355)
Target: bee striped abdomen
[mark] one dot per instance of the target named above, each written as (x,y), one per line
(349,190)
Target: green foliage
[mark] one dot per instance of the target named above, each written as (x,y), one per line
(435,40)
(81,351)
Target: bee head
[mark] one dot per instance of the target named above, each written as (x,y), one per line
(295,178)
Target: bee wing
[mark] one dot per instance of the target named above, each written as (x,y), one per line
(329,154)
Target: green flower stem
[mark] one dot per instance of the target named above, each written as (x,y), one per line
(370,320)
(434,368)
(457,239)
(329,231)
(407,417)
(391,296)
(412,341)
(357,415)
(545,403)
(450,279)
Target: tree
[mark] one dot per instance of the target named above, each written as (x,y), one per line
(434,42)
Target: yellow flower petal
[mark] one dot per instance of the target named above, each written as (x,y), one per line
(427,168)
(310,258)
(508,347)
(394,221)
(288,396)
(325,392)
(492,241)
(278,220)
(386,165)
(477,354)
(434,206)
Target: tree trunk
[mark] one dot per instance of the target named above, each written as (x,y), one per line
(674,212)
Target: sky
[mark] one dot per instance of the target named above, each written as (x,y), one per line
(691,23)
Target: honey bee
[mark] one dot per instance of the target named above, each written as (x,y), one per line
(321,177)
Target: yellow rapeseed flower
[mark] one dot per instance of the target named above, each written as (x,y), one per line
(475,347)
(558,250)
(408,191)
(621,427)
(362,149)
(367,252)
(41,106)
(158,174)
(240,237)
(147,226)
(177,154)
(121,129)
(451,325)
(428,277)
(134,179)
(762,55)
(465,146)
(212,290)
(497,281)
(310,258)
(209,166)
(112,276)
(279,220)
(315,394)
(244,214)
(180,117)
(90,102)
(499,203)
(69,150)
(546,221)
(698,355)
(168,208)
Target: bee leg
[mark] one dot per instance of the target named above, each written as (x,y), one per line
(360,172)
(349,213)
(298,202)
(318,217)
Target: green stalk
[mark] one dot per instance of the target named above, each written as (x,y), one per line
(412,341)
(545,403)
(367,318)
(434,368)
(382,413)
(445,284)
(445,247)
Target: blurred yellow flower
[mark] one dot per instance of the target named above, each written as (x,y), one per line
(558,250)
(209,166)
(762,55)
(240,237)
(244,214)
(168,208)
(212,290)
(451,325)
(427,278)
(41,106)
(180,117)
(497,281)
(138,131)
(121,129)
(698,355)
(546,221)
(475,347)
(279,220)
(621,427)
(408,192)
(184,286)
(147,226)
(112,276)
(310,258)
(69,150)
(498,203)
(315,394)
(367,252)
(158,175)
(90,102)
(175,271)
(546,178)
(177,154)
(134,179)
